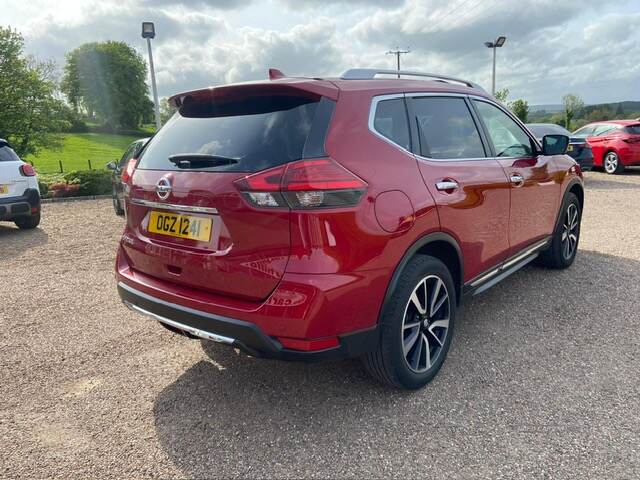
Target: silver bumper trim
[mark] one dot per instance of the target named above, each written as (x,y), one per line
(193,331)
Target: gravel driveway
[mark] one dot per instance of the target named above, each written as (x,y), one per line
(541,379)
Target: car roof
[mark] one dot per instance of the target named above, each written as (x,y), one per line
(614,122)
(331,86)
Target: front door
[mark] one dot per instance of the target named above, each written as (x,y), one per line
(470,188)
(535,190)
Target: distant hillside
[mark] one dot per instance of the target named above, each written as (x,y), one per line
(618,107)
(545,108)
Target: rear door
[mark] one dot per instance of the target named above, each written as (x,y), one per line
(470,188)
(12,183)
(535,193)
(219,242)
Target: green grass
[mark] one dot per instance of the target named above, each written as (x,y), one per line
(77,148)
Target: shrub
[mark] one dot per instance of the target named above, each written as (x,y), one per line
(80,182)
(92,182)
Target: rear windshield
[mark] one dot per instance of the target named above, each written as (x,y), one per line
(259,132)
(8,155)
(633,129)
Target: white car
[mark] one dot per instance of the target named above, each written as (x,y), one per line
(19,192)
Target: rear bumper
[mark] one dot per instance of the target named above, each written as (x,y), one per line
(244,335)
(585,160)
(21,206)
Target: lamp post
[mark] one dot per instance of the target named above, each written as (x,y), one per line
(149,32)
(497,44)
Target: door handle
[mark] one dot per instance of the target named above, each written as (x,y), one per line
(445,185)
(517,179)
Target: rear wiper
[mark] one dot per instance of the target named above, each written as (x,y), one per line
(200,160)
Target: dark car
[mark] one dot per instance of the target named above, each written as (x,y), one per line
(317,219)
(578,149)
(117,192)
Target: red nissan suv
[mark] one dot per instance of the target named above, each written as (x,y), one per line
(316,219)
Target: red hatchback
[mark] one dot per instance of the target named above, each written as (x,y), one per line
(615,143)
(315,219)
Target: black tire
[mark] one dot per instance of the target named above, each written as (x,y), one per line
(389,363)
(556,255)
(611,163)
(27,223)
(116,202)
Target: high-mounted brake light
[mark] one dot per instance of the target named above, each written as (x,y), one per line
(27,170)
(316,183)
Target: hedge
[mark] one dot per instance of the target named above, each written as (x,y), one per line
(76,183)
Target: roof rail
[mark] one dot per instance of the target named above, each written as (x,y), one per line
(370,73)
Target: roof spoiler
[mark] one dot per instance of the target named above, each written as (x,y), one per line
(371,73)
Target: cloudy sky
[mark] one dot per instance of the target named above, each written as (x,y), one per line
(587,47)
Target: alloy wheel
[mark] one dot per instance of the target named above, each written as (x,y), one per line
(570,231)
(611,162)
(426,323)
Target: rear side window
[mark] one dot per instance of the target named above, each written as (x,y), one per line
(633,129)
(584,132)
(8,155)
(447,130)
(391,122)
(257,132)
(603,129)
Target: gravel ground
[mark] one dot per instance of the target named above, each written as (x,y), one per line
(541,380)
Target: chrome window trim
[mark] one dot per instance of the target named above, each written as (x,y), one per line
(170,206)
(378,98)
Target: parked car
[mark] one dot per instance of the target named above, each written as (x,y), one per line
(578,148)
(117,191)
(615,143)
(19,192)
(316,219)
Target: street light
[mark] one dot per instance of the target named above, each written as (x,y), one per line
(497,44)
(149,32)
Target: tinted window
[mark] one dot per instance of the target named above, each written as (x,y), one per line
(542,129)
(633,129)
(128,155)
(8,155)
(259,132)
(447,129)
(391,121)
(509,140)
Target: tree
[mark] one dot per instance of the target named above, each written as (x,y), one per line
(501,95)
(30,114)
(107,80)
(166,110)
(521,109)
(572,105)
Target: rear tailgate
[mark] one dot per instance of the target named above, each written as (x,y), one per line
(234,249)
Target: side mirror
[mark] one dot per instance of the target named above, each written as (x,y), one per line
(111,166)
(555,144)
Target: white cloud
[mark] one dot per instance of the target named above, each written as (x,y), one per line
(587,47)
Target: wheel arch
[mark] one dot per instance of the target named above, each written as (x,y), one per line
(578,190)
(439,245)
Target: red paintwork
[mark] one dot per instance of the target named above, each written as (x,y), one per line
(316,274)
(626,145)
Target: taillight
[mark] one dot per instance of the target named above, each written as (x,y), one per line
(317,183)
(27,170)
(127,173)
